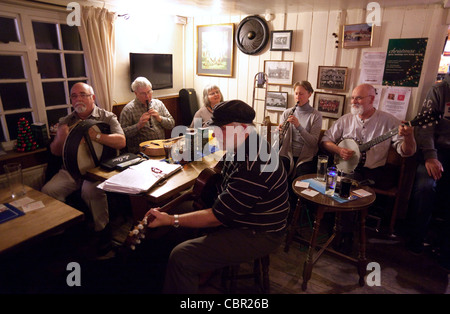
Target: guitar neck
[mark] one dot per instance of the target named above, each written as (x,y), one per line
(366,146)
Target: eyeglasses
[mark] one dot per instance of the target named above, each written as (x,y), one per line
(359,98)
(214,93)
(83,96)
(146,93)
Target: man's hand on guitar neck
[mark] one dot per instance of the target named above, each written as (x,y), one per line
(156,218)
(203,218)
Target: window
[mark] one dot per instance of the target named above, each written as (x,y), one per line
(41,58)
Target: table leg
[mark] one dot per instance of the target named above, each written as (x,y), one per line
(362,261)
(307,268)
(293,225)
(139,206)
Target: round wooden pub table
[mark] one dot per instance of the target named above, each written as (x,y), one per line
(326,204)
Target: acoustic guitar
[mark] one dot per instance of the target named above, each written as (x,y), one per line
(203,194)
(156,147)
(423,119)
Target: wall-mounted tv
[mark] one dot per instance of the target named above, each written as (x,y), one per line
(157,68)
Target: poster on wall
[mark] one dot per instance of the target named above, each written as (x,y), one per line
(404,61)
(396,100)
(372,67)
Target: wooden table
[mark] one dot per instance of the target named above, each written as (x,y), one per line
(158,195)
(35,224)
(325,204)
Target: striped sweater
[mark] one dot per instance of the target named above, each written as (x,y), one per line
(250,198)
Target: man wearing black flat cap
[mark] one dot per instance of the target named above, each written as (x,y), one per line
(248,218)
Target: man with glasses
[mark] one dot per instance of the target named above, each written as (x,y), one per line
(363,124)
(144,118)
(62,184)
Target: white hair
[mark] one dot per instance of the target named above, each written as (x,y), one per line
(140,82)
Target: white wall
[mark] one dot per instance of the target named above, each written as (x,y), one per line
(313,45)
(147,34)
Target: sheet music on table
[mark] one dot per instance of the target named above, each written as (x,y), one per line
(139,178)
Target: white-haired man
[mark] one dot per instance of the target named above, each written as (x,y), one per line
(144,118)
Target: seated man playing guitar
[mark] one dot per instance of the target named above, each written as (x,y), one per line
(364,124)
(62,184)
(249,215)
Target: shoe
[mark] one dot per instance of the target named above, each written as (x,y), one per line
(103,240)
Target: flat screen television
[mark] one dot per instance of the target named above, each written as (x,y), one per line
(157,68)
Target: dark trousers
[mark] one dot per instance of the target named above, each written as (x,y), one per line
(220,248)
(384,177)
(428,197)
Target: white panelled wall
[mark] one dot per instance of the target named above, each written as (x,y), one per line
(314,45)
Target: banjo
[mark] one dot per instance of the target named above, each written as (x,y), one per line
(80,156)
(423,119)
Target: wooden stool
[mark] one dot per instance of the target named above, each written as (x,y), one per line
(326,204)
(260,275)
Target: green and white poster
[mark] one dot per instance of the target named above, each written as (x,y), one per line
(404,61)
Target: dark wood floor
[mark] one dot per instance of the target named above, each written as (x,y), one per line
(401,271)
(42,269)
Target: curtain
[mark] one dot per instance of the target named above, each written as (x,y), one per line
(98,39)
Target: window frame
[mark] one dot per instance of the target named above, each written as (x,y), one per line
(24,17)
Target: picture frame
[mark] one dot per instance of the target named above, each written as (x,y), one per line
(276,101)
(279,72)
(215,50)
(329,105)
(332,77)
(357,35)
(281,40)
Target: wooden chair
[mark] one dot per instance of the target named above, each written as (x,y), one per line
(401,192)
(260,274)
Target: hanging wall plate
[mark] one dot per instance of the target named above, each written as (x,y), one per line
(252,35)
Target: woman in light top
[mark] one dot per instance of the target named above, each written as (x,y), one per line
(211,97)
(301,140)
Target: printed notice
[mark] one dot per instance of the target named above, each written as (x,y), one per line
(372,68)
(396,100)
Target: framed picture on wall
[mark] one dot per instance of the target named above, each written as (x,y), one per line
(279,72)
(357,35)
(281,40)
(329,105)
(334,78)
(276,101)
(215,50)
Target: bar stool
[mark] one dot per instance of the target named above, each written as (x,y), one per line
(260,274)
(325,204)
